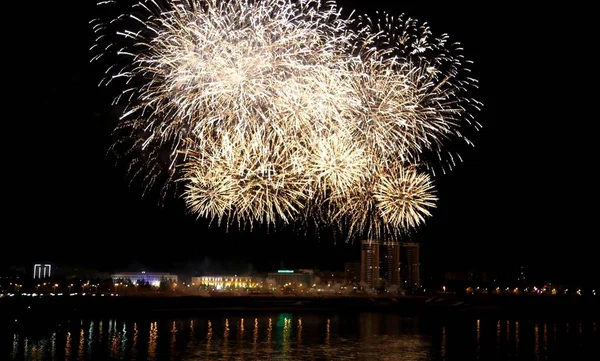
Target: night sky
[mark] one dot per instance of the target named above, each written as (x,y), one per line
(524,195)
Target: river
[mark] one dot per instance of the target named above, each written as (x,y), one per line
(365,336)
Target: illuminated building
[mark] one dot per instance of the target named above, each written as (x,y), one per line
(399,264)
(151,278)
(41,270)
(409,265)
(391,267)
(290,277)
(369,263)
(224,282)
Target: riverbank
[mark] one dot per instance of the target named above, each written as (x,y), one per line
(464,306)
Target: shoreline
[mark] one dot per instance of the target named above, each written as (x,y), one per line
(461,306)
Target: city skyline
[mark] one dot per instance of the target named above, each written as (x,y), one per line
(498,208)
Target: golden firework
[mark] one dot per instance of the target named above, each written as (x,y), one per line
(275,111)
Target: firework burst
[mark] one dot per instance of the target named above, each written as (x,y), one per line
(191,67)
(404,197)
(337,164)
(250,177)
(414,89)
(279,111)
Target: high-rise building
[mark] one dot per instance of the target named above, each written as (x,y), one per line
(391,263)
(397,263)
(41,270)
(409,265)
(369,263)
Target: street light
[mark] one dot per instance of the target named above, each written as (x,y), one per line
(55,285)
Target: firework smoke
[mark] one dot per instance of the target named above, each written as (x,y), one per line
(279,111)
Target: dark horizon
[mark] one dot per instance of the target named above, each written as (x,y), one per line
(521,195)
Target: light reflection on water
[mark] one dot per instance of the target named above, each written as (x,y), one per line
(443,347)
(285,336)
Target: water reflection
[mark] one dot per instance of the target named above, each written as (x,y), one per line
(15,346)
(536,347)
(172,344)
(478,340)
(53,343)
(299,332)
(81,345)
(134,341)
(67,345)
(443,349)
(255,336)
(269,346)
(366,336)
(328,333)
(33,351)
(152,341)
(90,338)
(517,337)
(286,333)
(225,344)
(115,340)
(545,337)
(498,341)
(209,335)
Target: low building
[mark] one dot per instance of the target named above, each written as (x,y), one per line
(152,278)
(224,282)
(299,278)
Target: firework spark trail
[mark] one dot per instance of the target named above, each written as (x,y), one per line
(276,111)
(416,88)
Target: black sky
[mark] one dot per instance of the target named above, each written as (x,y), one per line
(524,194)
